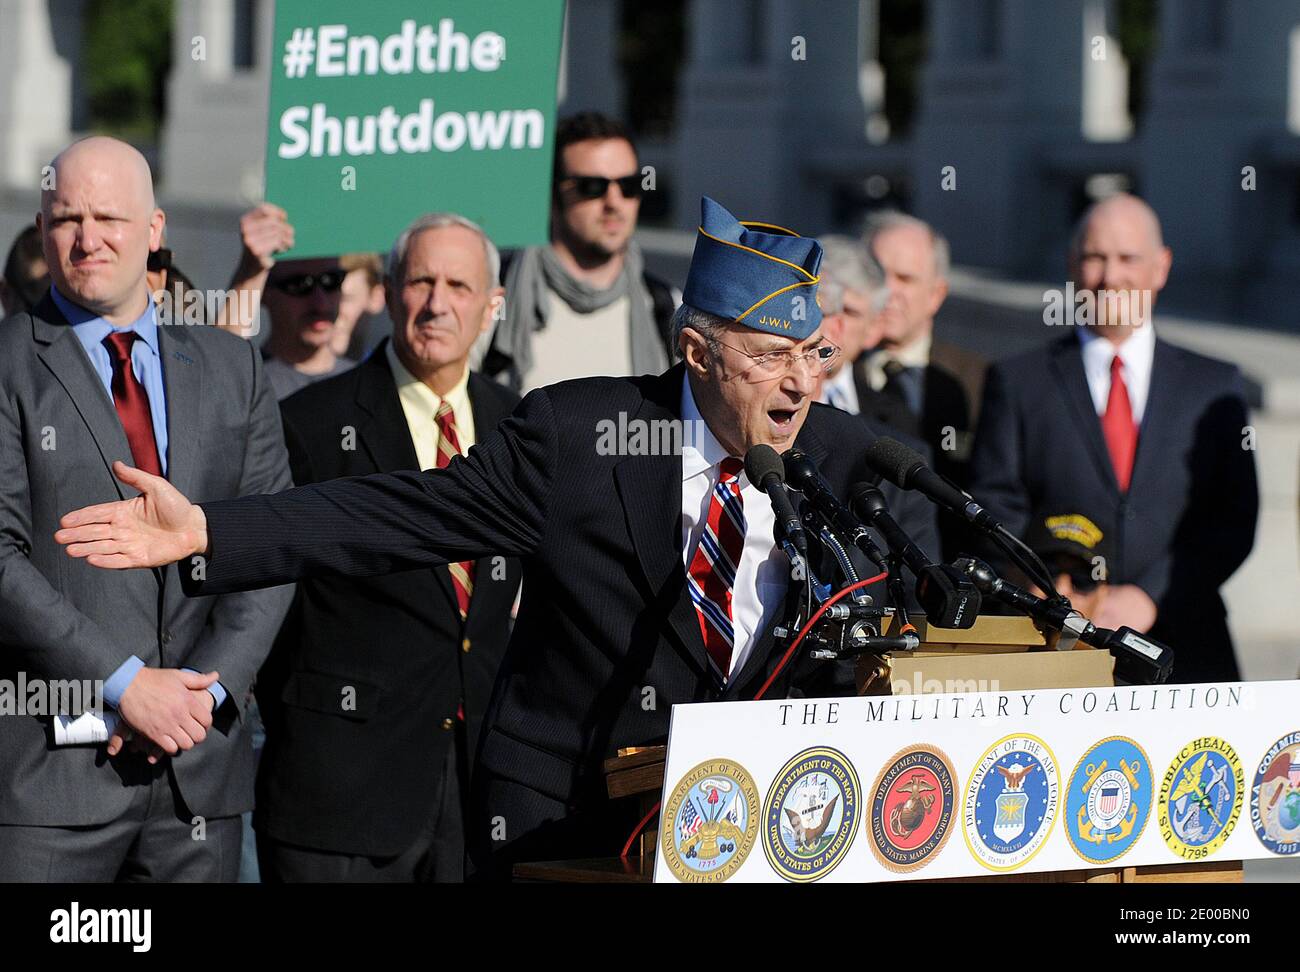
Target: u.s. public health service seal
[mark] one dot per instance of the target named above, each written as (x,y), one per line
(1011,802)
(1200,798)
(1275,797)
(1108,801)
(811,814)
(710,822)
(912,806)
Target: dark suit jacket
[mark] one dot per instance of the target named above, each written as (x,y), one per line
(1188,519)
(881,409)
(607,640)
(363,779)
(60,618)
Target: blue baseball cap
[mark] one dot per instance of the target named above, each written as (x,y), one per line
(756,274)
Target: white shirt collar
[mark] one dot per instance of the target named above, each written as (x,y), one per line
(701,450)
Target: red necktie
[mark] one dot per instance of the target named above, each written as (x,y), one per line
(713,568)
(1118,427)
(132,403)
(462,574)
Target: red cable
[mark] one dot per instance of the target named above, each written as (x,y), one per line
(768,684)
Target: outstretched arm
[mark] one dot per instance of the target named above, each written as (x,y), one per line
(493,501)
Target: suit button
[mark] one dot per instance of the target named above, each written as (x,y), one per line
(167,637)
(448,723)
(464,645)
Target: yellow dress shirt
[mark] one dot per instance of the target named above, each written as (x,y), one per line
(420,404)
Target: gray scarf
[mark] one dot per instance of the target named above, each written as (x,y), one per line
(536,270)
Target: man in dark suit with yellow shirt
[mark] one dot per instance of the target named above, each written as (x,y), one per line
(376,691)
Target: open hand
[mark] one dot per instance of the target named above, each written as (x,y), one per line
(158,527)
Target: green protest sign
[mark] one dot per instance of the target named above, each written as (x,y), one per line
(380,112)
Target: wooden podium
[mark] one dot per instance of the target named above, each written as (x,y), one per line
(949,660)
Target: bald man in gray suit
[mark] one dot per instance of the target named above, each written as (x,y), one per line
(92,376)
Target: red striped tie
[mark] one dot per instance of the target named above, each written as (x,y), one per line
(462,574)
(1118,427)
(132,403)
(713,568)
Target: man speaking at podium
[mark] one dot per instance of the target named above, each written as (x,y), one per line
(649,579)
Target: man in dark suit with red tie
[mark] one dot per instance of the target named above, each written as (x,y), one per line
(650,577)
(376,691)
(1147,440)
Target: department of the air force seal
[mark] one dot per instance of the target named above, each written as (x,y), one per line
(1011,802)
(1275,796)
(811,814)
(1108,801)
(912,806)
(710,822)
(1200,798)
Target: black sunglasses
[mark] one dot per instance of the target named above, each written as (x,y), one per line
(304,283)
(593,187)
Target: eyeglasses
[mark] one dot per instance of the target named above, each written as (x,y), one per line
(593,187)
(304,283)
(772,363)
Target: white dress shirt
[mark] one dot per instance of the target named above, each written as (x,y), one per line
(1137,354)
(764,569)
(841,391)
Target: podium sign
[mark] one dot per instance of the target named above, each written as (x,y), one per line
(940,786)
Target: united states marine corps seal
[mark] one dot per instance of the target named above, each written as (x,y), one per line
(1275,797)
(811,814)
(1108,801)
(1011,802)
(912,806)
(1200,798)
(710,822)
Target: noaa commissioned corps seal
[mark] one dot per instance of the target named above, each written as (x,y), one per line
(710,822)
(811,814)
(1200,798)
(1275,797)
(1108,799)
(913,802)
(1011,802)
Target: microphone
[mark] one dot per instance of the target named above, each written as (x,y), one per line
(1139,660)
(906,469)
(803,475)
(764,469)
(946,595)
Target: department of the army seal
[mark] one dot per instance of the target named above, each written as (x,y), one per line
(1011,802)
(1275,796)
(710,822)
(912,805)
(1108,801)
(1200,798)
(811,814)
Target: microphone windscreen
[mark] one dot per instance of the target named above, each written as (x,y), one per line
(800,471)
(762,461)
(893,460)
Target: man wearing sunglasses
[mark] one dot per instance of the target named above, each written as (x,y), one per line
(583,305)
(303,299)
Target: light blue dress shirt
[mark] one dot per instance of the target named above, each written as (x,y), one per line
(146,363)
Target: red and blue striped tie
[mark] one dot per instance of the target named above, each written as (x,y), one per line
(713,568)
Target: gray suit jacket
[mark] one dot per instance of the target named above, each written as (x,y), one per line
(63,619)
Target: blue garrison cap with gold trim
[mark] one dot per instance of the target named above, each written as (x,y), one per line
(756,274)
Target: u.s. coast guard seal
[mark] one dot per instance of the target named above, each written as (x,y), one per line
(811,814)
(1108,800)
(1200,798)
(1011,802)
(1275,796)
(913,802)
(710,822)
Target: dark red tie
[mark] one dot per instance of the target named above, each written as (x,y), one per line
(132,403)
(1118,427)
